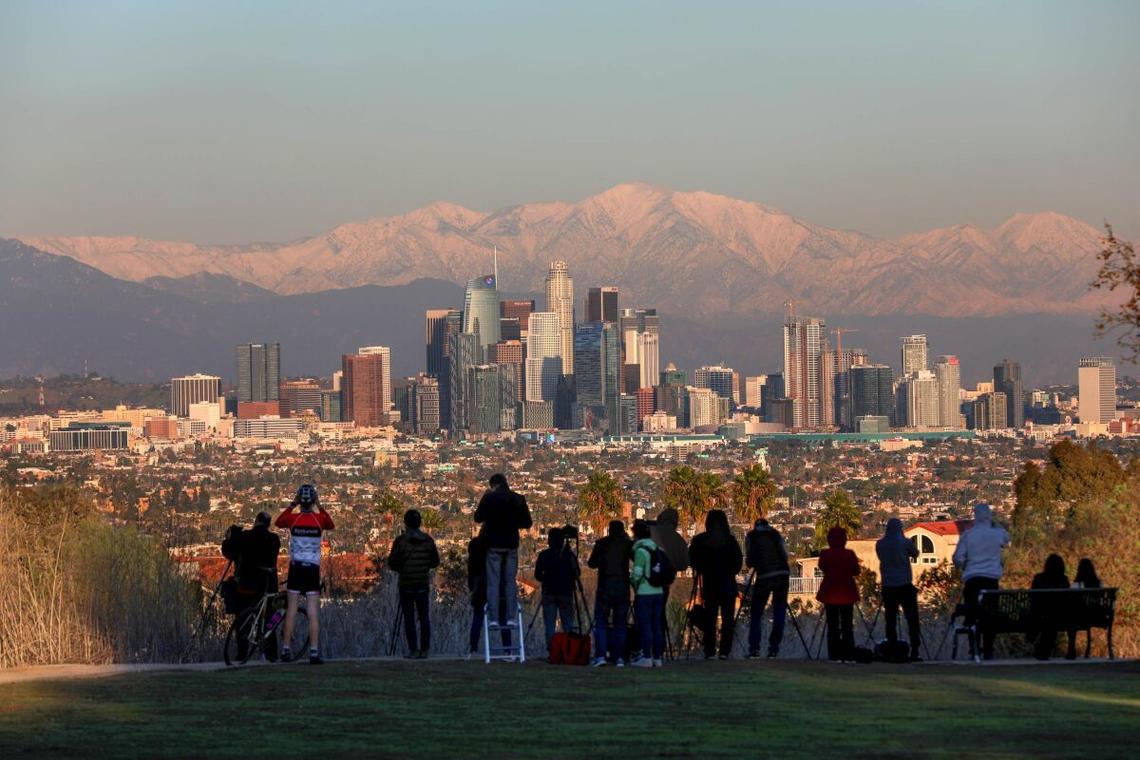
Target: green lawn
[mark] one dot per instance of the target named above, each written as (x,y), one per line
(742,709)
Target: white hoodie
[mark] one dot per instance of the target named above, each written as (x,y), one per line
(979,551)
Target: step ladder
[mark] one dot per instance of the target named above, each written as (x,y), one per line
(516,651)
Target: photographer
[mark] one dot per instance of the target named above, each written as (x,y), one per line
(305,530)
(254,554)
(556,569)
(611,557)
(503,513)
(413,557)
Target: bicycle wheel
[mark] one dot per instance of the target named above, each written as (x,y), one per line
(242,630)
(299,645)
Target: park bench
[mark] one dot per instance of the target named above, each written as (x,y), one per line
(1062,610)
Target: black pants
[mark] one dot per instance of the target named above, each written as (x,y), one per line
(414,604)
(970,592)
(722,605)
(840,631)
(907,598)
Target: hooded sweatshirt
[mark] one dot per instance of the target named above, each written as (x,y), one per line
(840,567)
(665,535)
(643,550)
(979,550)
(414,556)
(716,556)
(610,557)
(895,550)
(765,551)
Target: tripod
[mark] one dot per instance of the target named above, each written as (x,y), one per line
(822,624)
(746,603)
(394,636)
(197,637)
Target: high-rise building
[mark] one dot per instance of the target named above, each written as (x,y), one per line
(330,406)
(673,376)
(772,391)
(596,356)
(648,359)
(453,325)
(646,404)
(602,305)
(753,387)
(517,309)
(1007,380)
(510,352)
(484,398)
(805,342)
(716,378)
(871,391)
(191,389)
(298,396)
(703,407)
(386,352)
(990,411)
(544,360)
(918,400)
(463,353)
(640,353)
(362,390)
(259,371)
(560,302)
(914,350)
(481,310)
(949,377)
(437,324)
(627,421)
(425,405)
(1096,390)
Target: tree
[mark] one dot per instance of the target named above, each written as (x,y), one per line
(1120,268)
(600,500)
(386,503)
(692,494)
(838,512)
(753,493)
(433,519)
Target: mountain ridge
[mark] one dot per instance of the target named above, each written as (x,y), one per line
(690,252)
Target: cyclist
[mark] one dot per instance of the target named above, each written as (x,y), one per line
(306,527)
(254,554)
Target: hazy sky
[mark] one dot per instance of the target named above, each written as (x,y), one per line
(236,122)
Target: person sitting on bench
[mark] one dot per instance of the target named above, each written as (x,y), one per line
(1045,611)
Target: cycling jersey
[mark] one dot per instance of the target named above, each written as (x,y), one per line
(305,529)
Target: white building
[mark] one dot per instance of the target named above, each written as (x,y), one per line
(560,302)
(544,359)
(949,377)
(1096,390)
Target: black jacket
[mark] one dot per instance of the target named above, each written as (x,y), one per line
(254,552)
(610,557)
(765,552)
(556,570)
(504,513)
(717,559)
(414,556)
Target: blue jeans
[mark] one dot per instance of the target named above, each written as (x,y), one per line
(554,607)
(777,588)
(650,615)
(605,605)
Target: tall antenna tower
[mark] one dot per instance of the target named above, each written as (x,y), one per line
(496,267)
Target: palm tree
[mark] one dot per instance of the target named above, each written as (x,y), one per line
(691,493)
(599,500)
(838,512)
(752,493)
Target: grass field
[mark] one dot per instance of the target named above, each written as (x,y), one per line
(467,709)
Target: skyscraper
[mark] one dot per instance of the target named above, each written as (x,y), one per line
(1007,380)
(481,310)
(510,352)
(560,302)
(949,376)
(918,399)
(544,360)
(463,353)
(259,371)
(386,389)
(753,385)
(1096,390)
(193,389)
(436,330)
(425,405)
(871,394)
(596,370)
(362,390)
(483,396)
(716,378)
(648,359)
(805,341)
(914,350)
(602,305)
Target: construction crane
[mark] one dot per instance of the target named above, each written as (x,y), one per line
(839,333)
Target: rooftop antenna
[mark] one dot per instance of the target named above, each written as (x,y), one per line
(496,267)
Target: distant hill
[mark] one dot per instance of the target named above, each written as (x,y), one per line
(693,253)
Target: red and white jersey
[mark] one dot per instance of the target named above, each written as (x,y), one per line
(305,530)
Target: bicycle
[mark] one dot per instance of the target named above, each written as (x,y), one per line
(261,624)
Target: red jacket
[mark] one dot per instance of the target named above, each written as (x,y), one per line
(840,567)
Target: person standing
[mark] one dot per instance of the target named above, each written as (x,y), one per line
(978,556)
(306,527)
(767,555)
(839,594)
(556,569)
(503,513)
(716,559)
(477,586)
(254,554)
(664,533)
(610,557)
(648,600)
(413,557)
(896,553)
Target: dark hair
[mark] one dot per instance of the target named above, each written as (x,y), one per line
(261,519)
(617,527)
(498,479)
(1086,574)
(716,521)
(413,519)
(555,537)
(640,529)
(1055,566)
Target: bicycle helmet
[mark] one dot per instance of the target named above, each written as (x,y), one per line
(306,495)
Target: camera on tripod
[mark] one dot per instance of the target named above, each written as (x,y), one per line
(570,532)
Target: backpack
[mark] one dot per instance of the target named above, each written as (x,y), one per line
(662,572)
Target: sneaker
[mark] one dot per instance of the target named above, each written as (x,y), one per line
(773,654)
(644,662)
(412,655)
(316,659)
(286,656)
(620,663)
(658,662)
(755,655)
(599,662)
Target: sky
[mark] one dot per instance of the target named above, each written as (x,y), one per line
(235,122)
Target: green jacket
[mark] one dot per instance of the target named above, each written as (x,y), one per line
(639,575)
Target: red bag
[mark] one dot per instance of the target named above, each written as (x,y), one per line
(570,649)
